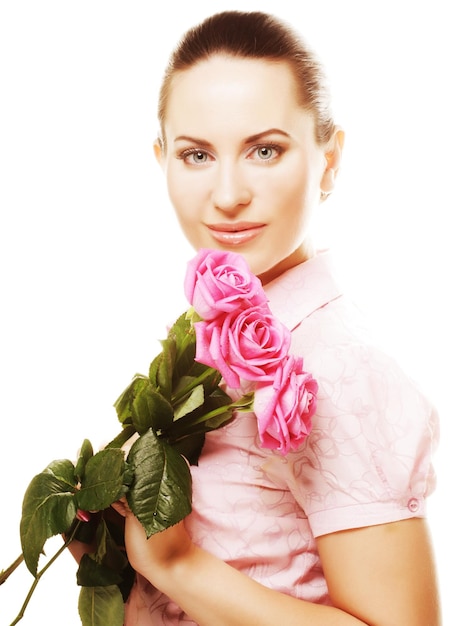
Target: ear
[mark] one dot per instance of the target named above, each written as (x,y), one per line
(159,151)
(333,154)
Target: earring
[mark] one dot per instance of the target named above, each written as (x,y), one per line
(324,195)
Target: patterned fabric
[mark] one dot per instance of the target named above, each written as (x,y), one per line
(367,460)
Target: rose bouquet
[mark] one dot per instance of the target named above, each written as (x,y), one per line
(227,345)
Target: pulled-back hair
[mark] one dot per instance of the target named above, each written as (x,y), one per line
(254,35)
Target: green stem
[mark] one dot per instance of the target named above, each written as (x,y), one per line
(203,418)
(195,382)
(42,571)
(122,437)
(5,574)
(181,427)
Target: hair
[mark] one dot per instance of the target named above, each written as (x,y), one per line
(254,35)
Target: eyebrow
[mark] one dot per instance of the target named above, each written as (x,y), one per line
(266,133)
(200,142)
(251,139)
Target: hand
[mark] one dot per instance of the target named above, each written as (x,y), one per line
(79,548)
(149,557)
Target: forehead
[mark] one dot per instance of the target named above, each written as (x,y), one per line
(226,89)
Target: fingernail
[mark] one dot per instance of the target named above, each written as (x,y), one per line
(84,516)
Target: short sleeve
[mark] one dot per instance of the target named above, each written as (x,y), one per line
(368,459)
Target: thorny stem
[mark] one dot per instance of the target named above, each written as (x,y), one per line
(20,615)
(5,574)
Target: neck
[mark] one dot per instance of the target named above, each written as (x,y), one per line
(300,255)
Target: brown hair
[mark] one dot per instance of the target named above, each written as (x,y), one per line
(254,35)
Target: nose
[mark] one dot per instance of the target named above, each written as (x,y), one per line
(231,191)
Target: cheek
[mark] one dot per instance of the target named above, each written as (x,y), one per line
(293,185)
(290,202)
(188,204)
(180,200)
(187,194)
(301,197)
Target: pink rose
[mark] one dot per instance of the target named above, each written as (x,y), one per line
(247,344)
(284,408)
(221,282)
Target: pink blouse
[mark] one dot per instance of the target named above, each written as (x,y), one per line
(367,460)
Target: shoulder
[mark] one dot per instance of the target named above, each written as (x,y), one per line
(366,402)
(368,458)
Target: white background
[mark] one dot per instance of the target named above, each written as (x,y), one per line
(91,258)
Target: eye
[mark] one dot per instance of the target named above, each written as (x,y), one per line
(198,156)
(194,156)
(266,152)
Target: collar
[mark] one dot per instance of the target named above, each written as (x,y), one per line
(303,289)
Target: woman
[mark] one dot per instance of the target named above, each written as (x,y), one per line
(335,532)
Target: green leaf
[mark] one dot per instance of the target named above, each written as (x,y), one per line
(192,315)
(161,368)
(87,531)
(62,470)
(129,576)
(109,552)
(195,399)
(143,405)
(198,374)
(101,536)
(107,566)
(123,404)
(210,378)
(85,454)
(101,606)
(160,495)
(48,509)
(154,368)
(216,411)
(94,574)
(190,446)
(151,410)
(183,334)
(245,404)
(103,480)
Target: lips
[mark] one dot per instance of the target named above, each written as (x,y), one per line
(235,234)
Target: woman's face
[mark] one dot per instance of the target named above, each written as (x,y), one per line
(242,164)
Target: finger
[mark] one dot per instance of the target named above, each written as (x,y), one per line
(122,507)
(83,516)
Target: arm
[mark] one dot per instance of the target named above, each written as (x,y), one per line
(384,574)
(364,590)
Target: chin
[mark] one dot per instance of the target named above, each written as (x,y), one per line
(256,266)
